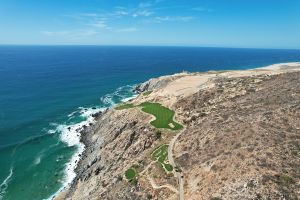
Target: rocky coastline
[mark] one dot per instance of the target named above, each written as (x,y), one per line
(239,113)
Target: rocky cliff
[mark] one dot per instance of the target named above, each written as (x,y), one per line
(241,140)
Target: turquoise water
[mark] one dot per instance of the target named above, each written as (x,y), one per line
(47,92)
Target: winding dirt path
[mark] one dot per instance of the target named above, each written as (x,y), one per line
(179,175)
(172,162)
(148,166)
(155,186)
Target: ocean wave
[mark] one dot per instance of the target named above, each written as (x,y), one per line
(41,154)
(129,98)
(37,160)
(71,115)
(70,133)
(121,94)
(4,184)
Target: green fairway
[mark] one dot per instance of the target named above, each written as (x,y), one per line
(161,154)
(124,106)
(130,174)
(164,116)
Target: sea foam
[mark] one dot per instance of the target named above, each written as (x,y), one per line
(71,133)
(121,94)
(4,184)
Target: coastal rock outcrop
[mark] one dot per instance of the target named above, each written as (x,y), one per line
(155,83)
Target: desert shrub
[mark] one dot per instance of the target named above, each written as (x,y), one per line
(215,198)
(157,134)
(149,196)
(119,178)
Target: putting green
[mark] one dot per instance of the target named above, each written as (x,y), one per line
(130,174)
(160,154)
(163,116)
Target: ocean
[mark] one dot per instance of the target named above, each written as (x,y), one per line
(48,92)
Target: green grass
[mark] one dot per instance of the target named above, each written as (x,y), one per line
(168,167)
(164,116)
(160,154)
(125,106)
(286,180)
(130,174)
(147,93)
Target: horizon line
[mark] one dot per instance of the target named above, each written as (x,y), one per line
(148,45)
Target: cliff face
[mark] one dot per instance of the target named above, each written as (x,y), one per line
(156,83)
(241,140)
(114,143)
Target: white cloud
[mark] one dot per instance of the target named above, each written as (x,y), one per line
(99,24)
(121,13)
(55,33)
(107,20)
(89,14)
(149,3)
(71,34)
(143,13)
(173,18)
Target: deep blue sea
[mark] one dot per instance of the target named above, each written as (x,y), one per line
(47,92)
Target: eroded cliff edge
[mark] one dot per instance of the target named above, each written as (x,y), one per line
(241,139)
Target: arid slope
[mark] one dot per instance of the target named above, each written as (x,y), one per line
(241,140)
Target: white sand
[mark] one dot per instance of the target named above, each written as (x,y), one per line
(189,84)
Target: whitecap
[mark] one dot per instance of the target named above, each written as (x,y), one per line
(72,114)
(128,98)
(4,184)
(51,131)
(107,100)
(89,112)
(37,160)
(121,94)
(70,133)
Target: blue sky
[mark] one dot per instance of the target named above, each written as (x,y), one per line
(223,23)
